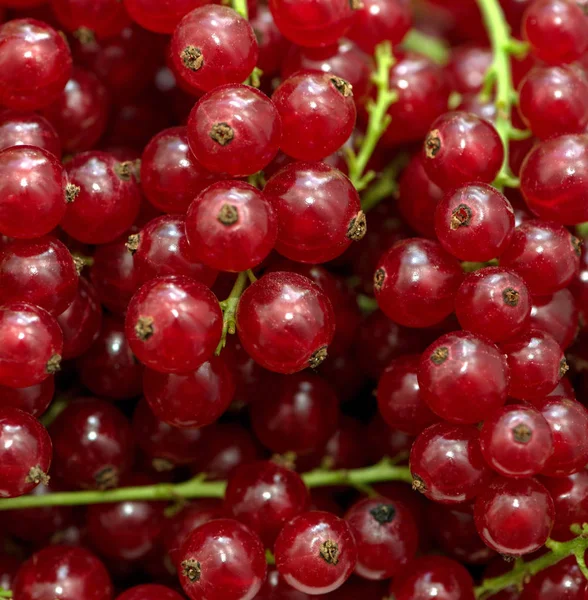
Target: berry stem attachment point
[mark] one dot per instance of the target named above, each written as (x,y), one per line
(229,308)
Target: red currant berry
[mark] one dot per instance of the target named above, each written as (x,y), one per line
(89,18)
(273,46)
(173,324)
(317,112)
(416,281)
(447,465)
(563,580)
(9,566)
(33,400)
(205,572)
(275,588)
(514,516)
(149,591)
(28,129)
(468,67)
(556,315)
(160,17)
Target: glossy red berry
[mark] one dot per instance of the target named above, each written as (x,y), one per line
(149,591)
(25,452)
(556,315)
(231,226)
(173,324)
(316,552)
(317,113)
(493,302)
(28,129)
(514,516)
(158,17)
(291,299)
(88,18)
(562,580)
(234,129)
(33,400)
(35,64)
(416,281)
(275,588)
(468,67)
(447,465)
(205,572)
(211,46)
(319,212)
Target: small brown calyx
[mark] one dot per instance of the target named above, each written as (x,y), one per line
(432,144)
(37,475)
(317,358)
(72,191)
(191,569)
(79,264)
(357,227)
(53,364)
(329,552)
(379,277)
(342,86)
(576,245)
(461,217)
(144,328)
(418,485)
(563,367)
(439,356)
(522,434)
(107,478)
(192,58)
(228,214)
(355,4)
(383,513)
(222,133)
(132,244)
(124,170)
(510,296)
(161,465)
(84,35)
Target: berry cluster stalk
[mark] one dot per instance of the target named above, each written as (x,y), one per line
(240,6)
(5,593)
(229,308)
(431,47)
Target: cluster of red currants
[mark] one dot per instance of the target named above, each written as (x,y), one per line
(176,172)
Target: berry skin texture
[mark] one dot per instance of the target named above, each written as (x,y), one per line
(553,178)
(461,148)
(35,64)
(160,17)
(416,281)
(173,324)
(149,591)
(33,400)
(212,46)
(34,191)
(285,322)
(265,496)
(317,113)
(89,18)
(206,574)
(563,580)
(556,315)
(25,453)
(64,572)
(514,516)
(447,465)
(234,129)
(494,303)
(31,344)
(386,535)
(318,209)
(316,552)
(231,226)
(28,129)
(516,441)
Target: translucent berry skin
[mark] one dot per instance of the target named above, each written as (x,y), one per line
(206,574)
(433,576)
(516,441)
(28,129)
(33,190)
(25,453)
(556,29)
(493,302)
(416,281)
(536,364)
(65,572)
(275,588)
(173,324)
(462,148)
(285,322)
(40,271)
(149,591)
(318,209)
(160,17)
(386,535)
(231,226)
(317,113)
(170,175)
(468,66)
(447,465)
(211,46)
(35,64)
(31,344)
(316,552)
(474,222)
(563,580)
(93,444)
(234,129)
(568,420)
(514,516)
(399,397)
(265,496)
(162,249)
(312,24)
(556,315)
(103,18)
(546,255)
(551,187)
(34,399)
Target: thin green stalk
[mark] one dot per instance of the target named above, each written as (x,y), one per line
(5,593)
(385,184)
(240,6)
(378,118)
(229,307)
(434,48)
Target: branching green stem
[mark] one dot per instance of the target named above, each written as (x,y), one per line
(229,308)
(434,48)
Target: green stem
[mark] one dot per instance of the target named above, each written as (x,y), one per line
(5,593)
(385,184)
(378,118)
(434,48)
(229,307)
(240,6)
